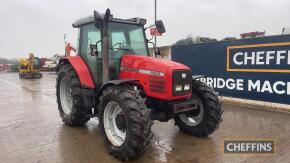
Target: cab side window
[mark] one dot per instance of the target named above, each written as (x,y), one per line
(91,35)
(137,41)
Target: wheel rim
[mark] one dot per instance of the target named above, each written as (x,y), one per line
(66,99)
(113,132)
(195,117)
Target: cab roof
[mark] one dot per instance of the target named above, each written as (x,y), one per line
(90,19)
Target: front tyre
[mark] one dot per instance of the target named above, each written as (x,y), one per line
(207,117)
(125,122)
(69,97)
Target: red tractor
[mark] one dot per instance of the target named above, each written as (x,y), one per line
(115,79)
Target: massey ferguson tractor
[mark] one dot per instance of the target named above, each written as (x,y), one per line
(114,78)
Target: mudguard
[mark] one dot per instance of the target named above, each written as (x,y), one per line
(195,77)
(114,83)
(81,68)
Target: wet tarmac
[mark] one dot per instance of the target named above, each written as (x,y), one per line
(32,131)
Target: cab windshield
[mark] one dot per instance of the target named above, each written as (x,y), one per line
(127,38)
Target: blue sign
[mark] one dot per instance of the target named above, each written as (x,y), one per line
(257,68)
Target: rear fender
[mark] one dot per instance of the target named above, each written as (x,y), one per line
(81,68)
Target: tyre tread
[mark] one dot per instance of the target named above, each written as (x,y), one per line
(138,116)
(212,104)
(78,116)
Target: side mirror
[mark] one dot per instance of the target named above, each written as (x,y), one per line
(93,50)
(97,20)
(160,26)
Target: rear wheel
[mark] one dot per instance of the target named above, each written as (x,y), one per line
(206,118)
(125,123)
(69,97)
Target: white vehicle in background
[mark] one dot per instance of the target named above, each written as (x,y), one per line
(50,65)
(286,31)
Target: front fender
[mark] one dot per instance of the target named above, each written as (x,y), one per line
(114,83)
(81,69)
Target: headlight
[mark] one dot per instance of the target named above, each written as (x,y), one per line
(178,88)
(186,87)
(181,82)
(183,75)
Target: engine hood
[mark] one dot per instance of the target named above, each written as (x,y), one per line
(149,63)
(155,75)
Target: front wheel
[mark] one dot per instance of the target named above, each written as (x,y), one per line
(207,117)
(69,97)
(125,122)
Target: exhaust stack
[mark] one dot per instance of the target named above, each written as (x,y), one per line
(101,21)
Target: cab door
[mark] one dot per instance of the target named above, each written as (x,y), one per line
(116,40)
(89,34)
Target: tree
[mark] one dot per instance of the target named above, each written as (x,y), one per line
(188,40)
(8,61)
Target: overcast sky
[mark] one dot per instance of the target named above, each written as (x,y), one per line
(38,26)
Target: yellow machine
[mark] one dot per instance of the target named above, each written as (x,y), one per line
(30,68)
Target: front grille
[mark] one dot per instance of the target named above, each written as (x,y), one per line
(157,84)
(181,78)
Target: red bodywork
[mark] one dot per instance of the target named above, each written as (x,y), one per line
(138,67)
(133,63)
(82,71)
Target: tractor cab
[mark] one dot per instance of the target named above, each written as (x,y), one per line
(126,37)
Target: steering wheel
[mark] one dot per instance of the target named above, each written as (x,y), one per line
(122,49)
(119,43)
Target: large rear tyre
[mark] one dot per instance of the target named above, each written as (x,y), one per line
(125,123)
(69,97)
(207,117)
